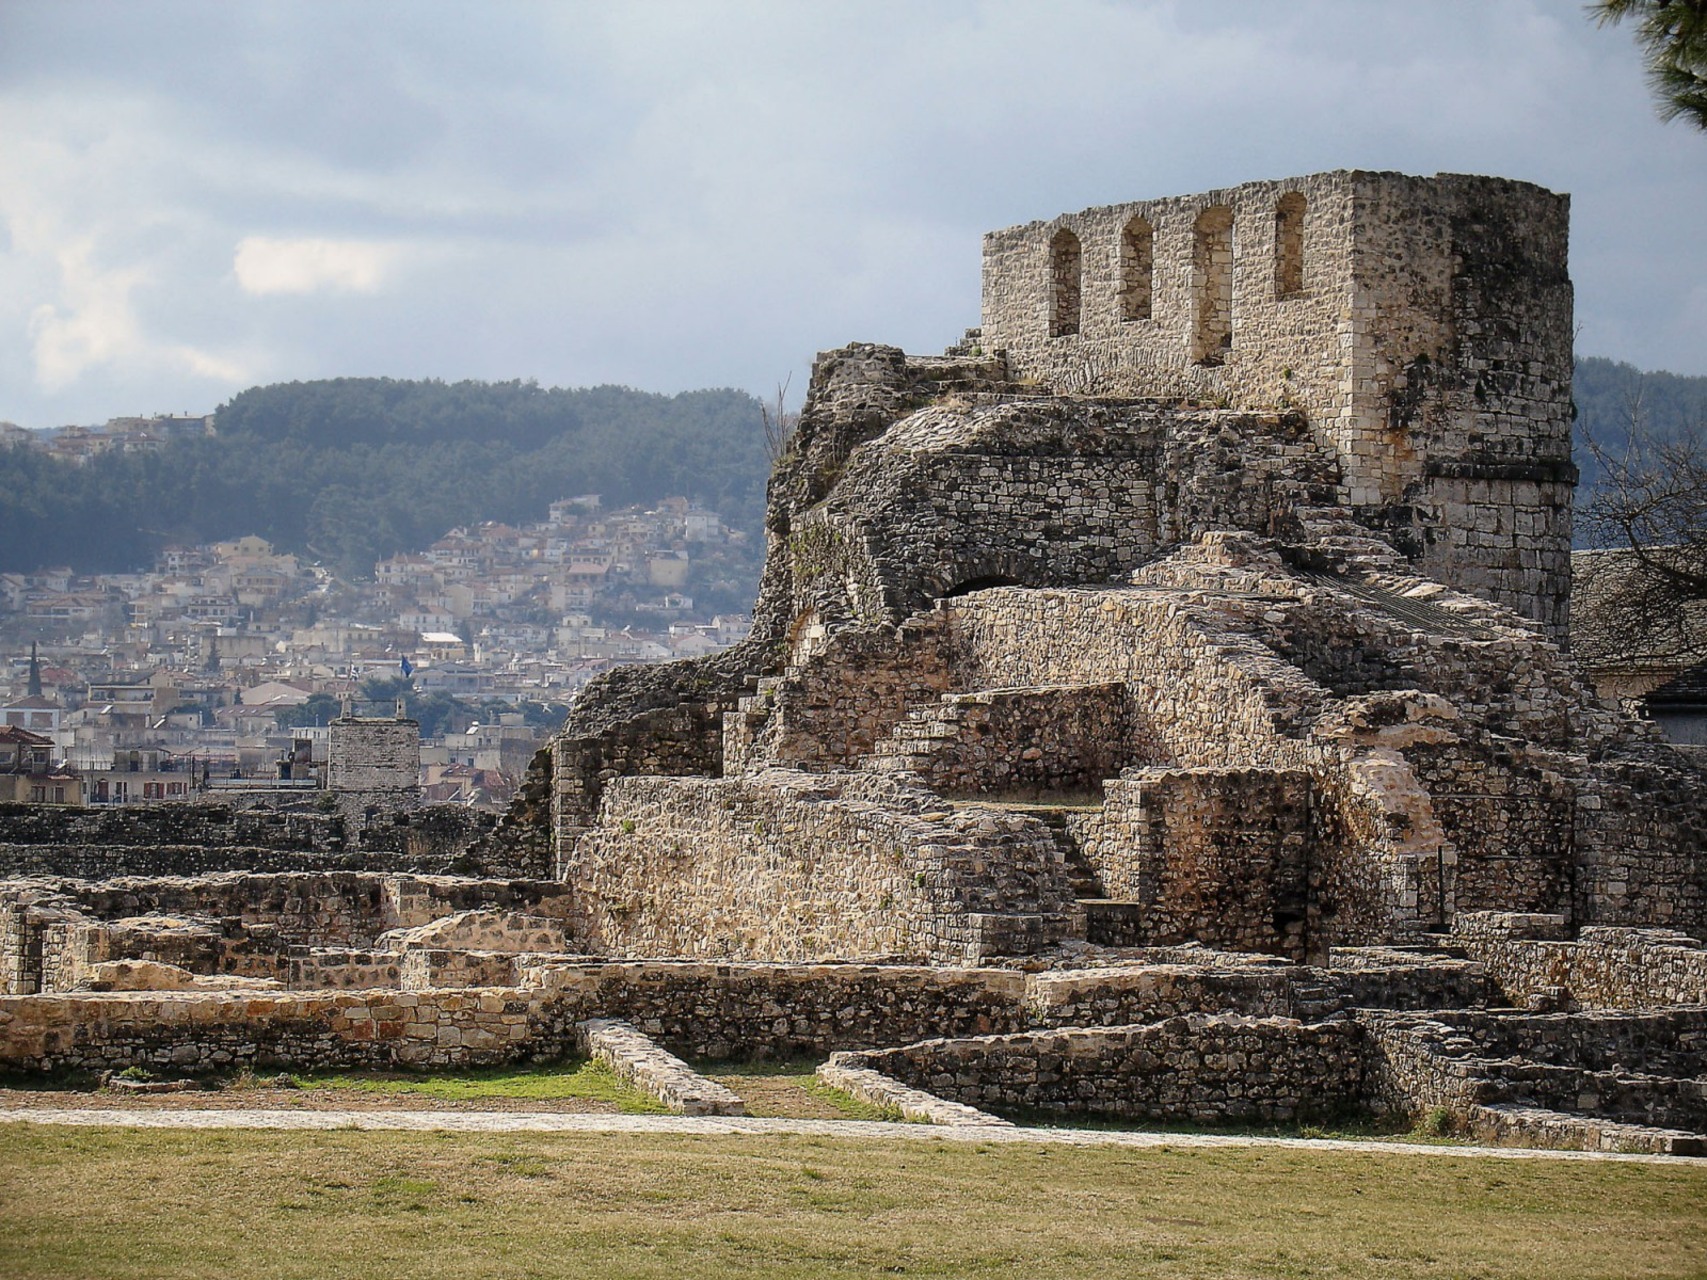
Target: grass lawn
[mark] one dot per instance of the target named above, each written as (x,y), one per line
(96,1203)
(790,1090)
(593,1081)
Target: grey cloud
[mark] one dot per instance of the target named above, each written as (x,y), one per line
(679,194)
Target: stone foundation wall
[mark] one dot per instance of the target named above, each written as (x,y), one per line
(1155,992)
(424,969)
(1530,957)
(245,924)
(720,1011)
(1641,1069)
(796,867)
(1207,1069)
(343,969)
(706,1011)
(192,1032)
(195,839)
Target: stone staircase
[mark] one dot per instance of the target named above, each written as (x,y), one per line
(1097,918)
(923,731)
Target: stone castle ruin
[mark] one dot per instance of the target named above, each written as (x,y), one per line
(1180,660)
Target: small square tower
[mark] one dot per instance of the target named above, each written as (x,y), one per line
(1422,325)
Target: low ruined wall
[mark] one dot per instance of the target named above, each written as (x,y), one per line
(1603,968)
(236,923)
(702,1010)
(1208,1069)
(167,824)
(339,968)
(786,1011)
(193,839)
(784,866)
(191,1032)
(643,1065)
(1615,1069)
(1155,992)
(424,968)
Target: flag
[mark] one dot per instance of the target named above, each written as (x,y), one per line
(408,667)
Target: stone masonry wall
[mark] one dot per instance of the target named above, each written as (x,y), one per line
(1531,957)
(1036,741)
(1427,336)
(246,924)
(1216,856)
(1206,1069)
(1215,697)
(1040,493)
(192,839)
(714,1011)
(684,739)
(376,756)
(1641,843)
(790,866)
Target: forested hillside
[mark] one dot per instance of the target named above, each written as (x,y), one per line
(1613,397)
(349,470)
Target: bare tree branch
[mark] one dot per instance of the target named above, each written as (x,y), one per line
(780,421)
(1644,598)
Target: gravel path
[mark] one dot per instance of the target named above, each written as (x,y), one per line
(549,1122)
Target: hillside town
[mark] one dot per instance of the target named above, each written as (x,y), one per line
(220,667)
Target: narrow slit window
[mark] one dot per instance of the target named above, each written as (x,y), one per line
(1289,245)
(1066,260)
(1137,269)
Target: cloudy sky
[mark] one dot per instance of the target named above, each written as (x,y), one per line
(198,197)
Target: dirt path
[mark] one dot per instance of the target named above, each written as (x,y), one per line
(535,1120)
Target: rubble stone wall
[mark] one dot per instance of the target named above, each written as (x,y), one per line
(1604,967)
(793,867)
(720,1011)
(684,739)
(1207,1069)
(1217,856)
(246,924)
(373,755)
(194,839)
(704,1010)
(189,1032)
(1017,742)
(1428,340)
(1641,844)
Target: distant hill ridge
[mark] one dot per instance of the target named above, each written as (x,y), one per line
(349,470)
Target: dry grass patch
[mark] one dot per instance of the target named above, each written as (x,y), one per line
(790,1091)
(100,1203)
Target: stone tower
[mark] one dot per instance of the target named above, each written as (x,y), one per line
(1423,325)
